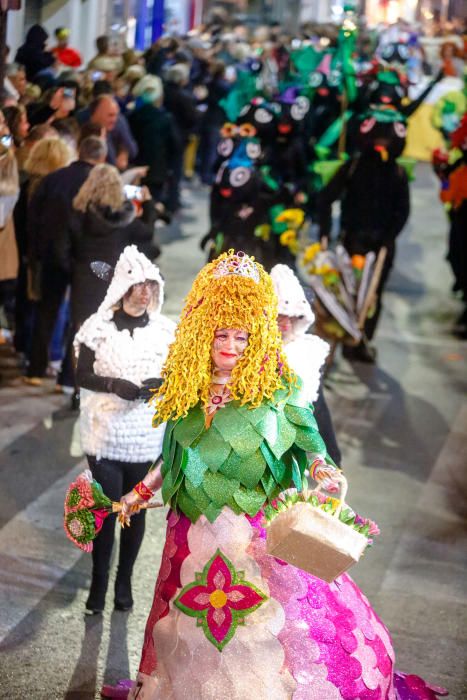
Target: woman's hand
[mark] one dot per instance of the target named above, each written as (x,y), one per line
(326,475)
(131,504)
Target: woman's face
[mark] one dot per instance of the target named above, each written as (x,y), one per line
(23,126)
(286,328)
(228,347)
(138,298)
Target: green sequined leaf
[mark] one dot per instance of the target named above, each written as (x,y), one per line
(246,442)
(310,440)
(254,416)
(301,457)
(277,467)
(301,416)
(195,466)
(167,443)
(285,437)
(213,449)
(219,488)
(269,483)
(188,429)
(169,462)
(197,495)
(298,398)
(231,466)
(230,422)
(268,427)
(251,469)
(250,501)
(187,506)
(178,462)
(212,512)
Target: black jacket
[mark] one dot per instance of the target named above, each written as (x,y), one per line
(182,106)
(32,54)
(375,203)
(157,140)
(101,235)
(49,215)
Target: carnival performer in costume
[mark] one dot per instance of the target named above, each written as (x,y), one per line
(306,353)
(375,203)
(119,347)
(229,621)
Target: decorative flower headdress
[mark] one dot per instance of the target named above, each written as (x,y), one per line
(233,291)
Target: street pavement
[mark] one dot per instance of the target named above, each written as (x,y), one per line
(402,428)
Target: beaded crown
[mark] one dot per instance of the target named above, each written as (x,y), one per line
(237,264)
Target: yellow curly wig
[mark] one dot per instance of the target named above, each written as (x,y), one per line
(224,301)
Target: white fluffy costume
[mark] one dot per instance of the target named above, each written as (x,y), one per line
(306,353)
(110,426)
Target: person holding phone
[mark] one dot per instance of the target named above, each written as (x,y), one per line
(57,104)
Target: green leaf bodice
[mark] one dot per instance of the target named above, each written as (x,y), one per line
(243,460)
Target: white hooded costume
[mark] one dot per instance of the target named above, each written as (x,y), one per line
(305,353)
(110,426)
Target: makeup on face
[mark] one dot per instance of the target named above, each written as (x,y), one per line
(228,346)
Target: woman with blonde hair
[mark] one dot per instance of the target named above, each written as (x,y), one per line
(103,223)
(47,155)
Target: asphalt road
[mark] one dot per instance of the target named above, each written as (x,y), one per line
(402,427)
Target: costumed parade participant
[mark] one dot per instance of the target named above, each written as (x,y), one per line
(306,353)
(454,195)
(119,348)
(229,621)
(373,190)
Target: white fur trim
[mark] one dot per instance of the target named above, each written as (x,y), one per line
(306,356)
(110,426)
(291,297)
(132,268)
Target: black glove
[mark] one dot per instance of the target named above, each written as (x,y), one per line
(149,385)
(123,388)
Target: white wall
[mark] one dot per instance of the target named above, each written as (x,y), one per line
(86,19)
(15,31)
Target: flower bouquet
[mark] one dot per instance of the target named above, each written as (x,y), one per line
(86,508)
(344,287)
(319,534)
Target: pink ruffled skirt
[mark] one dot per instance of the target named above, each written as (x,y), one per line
(230,622)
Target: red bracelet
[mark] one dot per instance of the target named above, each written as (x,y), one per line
(143,491)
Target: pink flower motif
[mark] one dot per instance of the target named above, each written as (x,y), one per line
(220,599)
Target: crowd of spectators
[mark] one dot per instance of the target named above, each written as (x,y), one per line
(73,137)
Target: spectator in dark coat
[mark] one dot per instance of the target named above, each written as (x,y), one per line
(181,104)
(50,211)
(155,133)
(47,154)
(103,223)
(33,54)
(212,120)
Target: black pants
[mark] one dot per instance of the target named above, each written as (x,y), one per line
(117,479)
(53,288)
